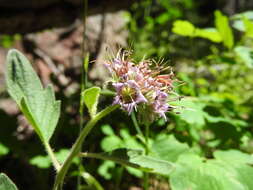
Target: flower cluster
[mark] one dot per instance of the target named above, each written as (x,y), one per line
(141,85)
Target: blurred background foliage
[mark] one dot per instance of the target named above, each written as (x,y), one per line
(210,46)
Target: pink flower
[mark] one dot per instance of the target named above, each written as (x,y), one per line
(138,84)
(128,95)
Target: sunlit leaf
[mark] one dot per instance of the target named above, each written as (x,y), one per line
(209,33)
(192,111)
(90,98)
(229,170)
(233,156)
(168,148)
(245,54)
(222,25)
(37,104)
(183,28)
(246,14)
(248,27)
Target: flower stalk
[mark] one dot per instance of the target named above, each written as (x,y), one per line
(77,146)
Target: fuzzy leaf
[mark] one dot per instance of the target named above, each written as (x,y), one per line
(6,183)
(90,98)
(37,104)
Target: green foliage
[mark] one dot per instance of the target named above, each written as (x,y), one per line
(222,33)
(248,27)
(229,170)
(209,33)
(185,28)
(210,140)
(37,104)
(7,41)
(6,183)
(165,144)
(222,25)
(43,161)
(245,54)
(111,142)
(239,20)
(3,150)
(136,159)
(90,98)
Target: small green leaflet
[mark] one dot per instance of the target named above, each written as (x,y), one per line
(6,183)
(3,150)
(90,98)
(37,104)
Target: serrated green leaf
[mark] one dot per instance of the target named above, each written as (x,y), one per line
(193,111)
(136,159)
(229,170)
(90,98)
(37,104)
(3,150)
(222,25)
(206,176)
(166,147)
(6,183)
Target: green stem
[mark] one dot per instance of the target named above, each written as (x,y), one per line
(91,181)
(137,127)
(136,124)
(146,175)
(107,157)
(77,146)
(52,156)
(107,93)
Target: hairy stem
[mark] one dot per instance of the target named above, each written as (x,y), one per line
(77,146)
(50,152)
